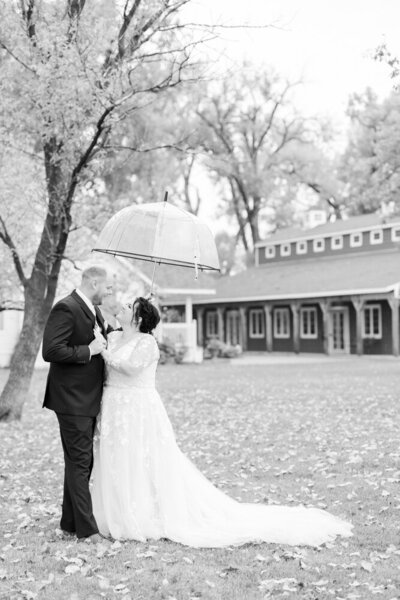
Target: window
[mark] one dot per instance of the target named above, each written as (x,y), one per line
(319,245)
(376,236)
(372,322)
(337,242)
(308,323)
(281,323)
(211,324)
(356,240)
(396,234)
(301,247)
(285,249)
(270,252)
(256,323)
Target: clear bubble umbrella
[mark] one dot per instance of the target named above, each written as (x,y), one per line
(162,234)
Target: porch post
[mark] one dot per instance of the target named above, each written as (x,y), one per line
(394,305)
(295,306)
(243,327)
(325,307)
(199,318)
(268,326)
(188,310)
(358,304)
(221,328)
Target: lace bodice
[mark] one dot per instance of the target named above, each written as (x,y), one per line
(133,363)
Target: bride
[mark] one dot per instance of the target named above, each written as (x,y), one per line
(143,487)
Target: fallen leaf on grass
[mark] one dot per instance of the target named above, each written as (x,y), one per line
(262,558)
(71,569)
(148,554)
(28,595)
(366,566)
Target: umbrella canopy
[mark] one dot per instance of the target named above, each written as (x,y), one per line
(161,233)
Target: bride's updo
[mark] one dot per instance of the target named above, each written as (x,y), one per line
(145,314)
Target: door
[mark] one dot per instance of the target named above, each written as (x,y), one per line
(233,327)
(340,336)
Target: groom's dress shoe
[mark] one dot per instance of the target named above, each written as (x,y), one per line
(68,533)
(95,538)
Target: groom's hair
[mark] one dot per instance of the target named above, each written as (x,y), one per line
(94,273)
(149,314)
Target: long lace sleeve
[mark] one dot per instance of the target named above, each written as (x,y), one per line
(131,360)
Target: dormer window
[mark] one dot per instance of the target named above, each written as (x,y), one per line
(337,242)
(376,236)
(396,234)
(301,247)
(356,240)
(285,249)
(319,245)
(270,252)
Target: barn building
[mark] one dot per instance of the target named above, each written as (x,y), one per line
(333,288)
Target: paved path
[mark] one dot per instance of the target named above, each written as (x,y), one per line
(282,358)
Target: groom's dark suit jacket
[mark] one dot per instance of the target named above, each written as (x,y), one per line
(75,381)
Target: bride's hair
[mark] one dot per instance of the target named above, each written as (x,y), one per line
(145,310)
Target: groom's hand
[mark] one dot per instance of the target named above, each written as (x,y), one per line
(97,346)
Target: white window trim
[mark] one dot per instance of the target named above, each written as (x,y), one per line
(319,241)
(270,251)
(214,314)
(373,241)
(252,334)
(337,242)
(354,244)
(372,336)
(282,335)
(286,250)
(299,248)
(308,336)
(396,238)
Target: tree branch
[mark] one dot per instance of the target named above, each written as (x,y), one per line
(27,14)
(6,238)
(15,57)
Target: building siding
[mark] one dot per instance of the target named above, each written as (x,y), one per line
(316,344)
(256,344)
(384,344)
(283,344)
(329,251)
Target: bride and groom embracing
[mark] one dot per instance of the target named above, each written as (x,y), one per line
(125,476)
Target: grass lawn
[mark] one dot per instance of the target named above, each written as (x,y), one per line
(323,434)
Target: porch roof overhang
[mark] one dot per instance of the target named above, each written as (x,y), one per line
(363,274)
(292,297)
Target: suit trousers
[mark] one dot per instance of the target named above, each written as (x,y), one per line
(77,442)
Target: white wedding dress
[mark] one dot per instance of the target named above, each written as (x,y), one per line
(143,487)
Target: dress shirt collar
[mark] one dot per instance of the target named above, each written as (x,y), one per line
(86,301)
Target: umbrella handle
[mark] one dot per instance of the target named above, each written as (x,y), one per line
(152,278)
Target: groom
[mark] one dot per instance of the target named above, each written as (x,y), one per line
(74,389)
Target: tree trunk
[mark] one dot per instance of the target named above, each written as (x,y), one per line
(254,227)
(16,390)
(39,291)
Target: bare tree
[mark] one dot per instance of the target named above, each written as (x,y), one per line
(71,73)
(251,131)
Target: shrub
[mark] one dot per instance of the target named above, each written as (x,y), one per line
(171,352)
(214,347)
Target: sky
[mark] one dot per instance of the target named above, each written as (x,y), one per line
(328,44)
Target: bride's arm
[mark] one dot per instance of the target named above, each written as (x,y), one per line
(140,357)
